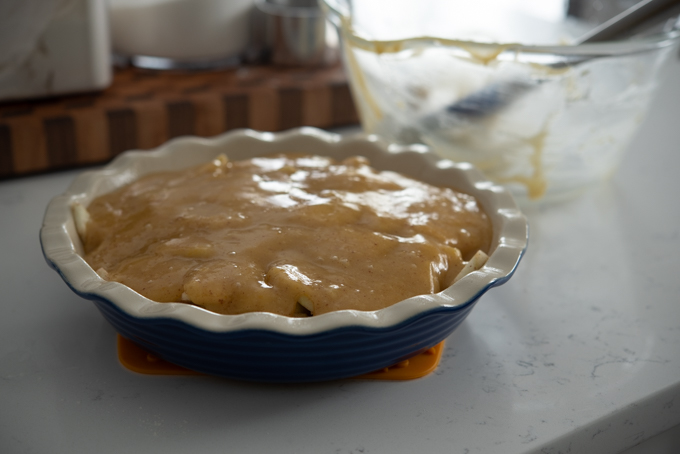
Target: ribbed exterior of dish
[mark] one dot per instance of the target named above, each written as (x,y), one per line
(265,356)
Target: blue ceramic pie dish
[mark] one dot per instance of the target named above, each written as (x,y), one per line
(266,347)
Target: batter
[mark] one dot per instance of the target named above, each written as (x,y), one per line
(290,234)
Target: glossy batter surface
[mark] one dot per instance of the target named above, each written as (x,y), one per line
(289,234)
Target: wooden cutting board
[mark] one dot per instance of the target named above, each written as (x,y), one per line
(143,109)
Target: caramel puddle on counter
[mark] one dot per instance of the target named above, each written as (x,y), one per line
(137,359)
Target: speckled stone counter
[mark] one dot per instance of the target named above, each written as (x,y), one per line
(579,352)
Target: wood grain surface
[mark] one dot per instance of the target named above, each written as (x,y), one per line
(143,109)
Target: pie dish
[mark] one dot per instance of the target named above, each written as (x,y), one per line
(266,347)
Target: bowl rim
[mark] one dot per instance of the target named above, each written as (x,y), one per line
(60,243)
(595,49)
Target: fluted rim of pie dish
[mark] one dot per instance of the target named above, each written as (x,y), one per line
(61,244)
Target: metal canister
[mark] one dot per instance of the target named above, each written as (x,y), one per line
(296,33)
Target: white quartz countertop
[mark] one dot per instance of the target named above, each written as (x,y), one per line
(579,352)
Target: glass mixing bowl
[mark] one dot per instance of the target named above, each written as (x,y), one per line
(501,84)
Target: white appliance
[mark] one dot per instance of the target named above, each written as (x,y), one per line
(53,47)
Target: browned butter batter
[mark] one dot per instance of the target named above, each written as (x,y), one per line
(288,234)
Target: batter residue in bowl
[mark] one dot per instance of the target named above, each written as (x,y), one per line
(288,234)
